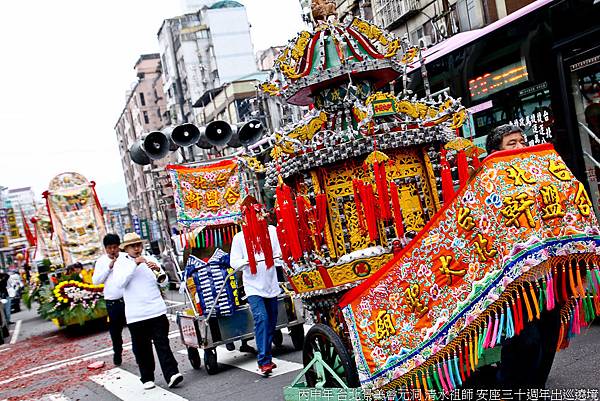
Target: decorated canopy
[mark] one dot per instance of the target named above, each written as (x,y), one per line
(76,217)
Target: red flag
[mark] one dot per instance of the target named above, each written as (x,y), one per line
(28,234)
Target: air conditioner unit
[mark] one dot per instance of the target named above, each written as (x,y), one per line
(425,41)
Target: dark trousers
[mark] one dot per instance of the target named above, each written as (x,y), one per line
(116,323)
(526,359)
(143,334)
(264,313)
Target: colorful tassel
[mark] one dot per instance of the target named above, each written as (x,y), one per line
(471,360)
(535,301)
(447,185)
(572,283)
(494,332)
(437,379)
(448,371)
(490,330)
(398,220)
(461,364)
(463,167)
(579,282)
(500,327)
(476,349)
(526,299)
(457,371)
(382,190)
(510,327)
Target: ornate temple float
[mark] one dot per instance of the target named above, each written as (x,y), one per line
(365,195)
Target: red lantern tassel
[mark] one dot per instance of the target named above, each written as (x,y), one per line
(565,298)
(447,185)
(321,201)
(265,239)
(371,213)
(93,185)
(289,219)
(463,167)
(356,185)
(475,162)
(382,190)
(282,236)
(303,219)
(397,211)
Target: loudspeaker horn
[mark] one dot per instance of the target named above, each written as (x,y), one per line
(218,133)
(251,132)
(185,134)
(203,142)
(137,154)
(169,134)
(156,145)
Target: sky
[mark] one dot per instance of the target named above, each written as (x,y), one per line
(65,68)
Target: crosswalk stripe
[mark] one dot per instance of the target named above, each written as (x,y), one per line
(247,361)
(127,386)
(52,397)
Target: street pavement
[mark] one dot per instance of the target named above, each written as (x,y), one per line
(44,363)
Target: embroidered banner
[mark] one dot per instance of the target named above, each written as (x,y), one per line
(515,240)
(77,218)
(47,244)
(208,195)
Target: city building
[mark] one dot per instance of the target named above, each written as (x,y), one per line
(22,199)
(144,112)
(265,59)
(201,51)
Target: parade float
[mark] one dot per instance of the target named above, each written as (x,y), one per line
(69,230)
(410,283)
(208,198)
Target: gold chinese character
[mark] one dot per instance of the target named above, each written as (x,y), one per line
(515,207)
(559,170)
(222,179)
(517,174)
(192,200)
(231,195)
(384,326)
(448,270)
(212,200)
(412,299)
(582,200)
(482,248)
(551,200)
(464,219)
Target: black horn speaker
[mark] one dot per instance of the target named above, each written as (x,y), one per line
(156,145)
(185,134)
(250,132)
(137,154)
(218,133)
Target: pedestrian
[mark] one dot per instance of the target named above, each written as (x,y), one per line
(74,272)
(5,294)
(146,311)
(261,288)
(526,358)
(113,294)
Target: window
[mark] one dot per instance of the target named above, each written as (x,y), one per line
(146,119)
(142,100)
(158,113)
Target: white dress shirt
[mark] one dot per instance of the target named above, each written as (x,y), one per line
(264,283)
(141,294)
(103,274)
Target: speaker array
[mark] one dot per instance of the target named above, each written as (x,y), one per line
(156,144)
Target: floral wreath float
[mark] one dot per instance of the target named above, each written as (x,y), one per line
(410,282)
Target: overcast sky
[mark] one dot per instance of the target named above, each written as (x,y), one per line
(65,68)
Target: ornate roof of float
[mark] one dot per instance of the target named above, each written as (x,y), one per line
(336,52)
(343,70)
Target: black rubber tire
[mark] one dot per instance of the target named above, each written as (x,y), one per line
(194,357)
(230,346)
(322,338)
(210,361)
(278,338)
(297,335)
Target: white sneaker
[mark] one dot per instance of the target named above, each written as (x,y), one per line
(175,380)
(149,385)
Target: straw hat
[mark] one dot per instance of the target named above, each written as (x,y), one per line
(130,239)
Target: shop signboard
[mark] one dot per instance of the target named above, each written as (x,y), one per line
(136,225)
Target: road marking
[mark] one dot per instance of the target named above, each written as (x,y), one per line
(16,332)
(4,349)
(127,386)
(247,361)
(72,361)
(176,303)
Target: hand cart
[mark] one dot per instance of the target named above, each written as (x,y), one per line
(208,332)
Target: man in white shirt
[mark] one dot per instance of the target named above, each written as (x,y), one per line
(262,290)
(113,294)
(146,311)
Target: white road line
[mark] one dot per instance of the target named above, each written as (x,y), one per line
(247,361)
(72,361)
(127,386)
(56,397)
(16,332)
(176,303)
(4,349)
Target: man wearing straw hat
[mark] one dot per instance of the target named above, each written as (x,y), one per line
(146,311)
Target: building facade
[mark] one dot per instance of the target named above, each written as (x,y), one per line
(143,112)
(201,51)
(22,199)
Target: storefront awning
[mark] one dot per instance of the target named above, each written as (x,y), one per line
(464,38)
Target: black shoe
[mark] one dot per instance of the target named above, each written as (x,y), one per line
(117,359)
(247,348)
